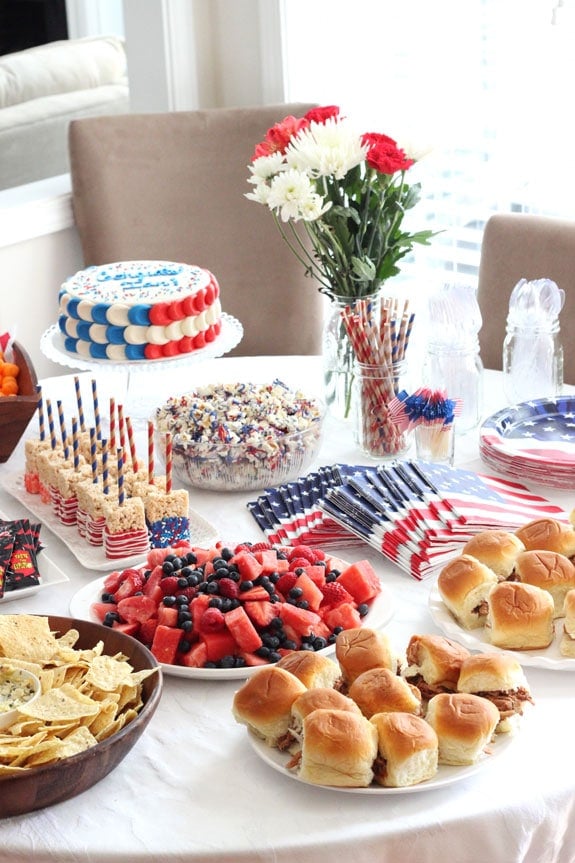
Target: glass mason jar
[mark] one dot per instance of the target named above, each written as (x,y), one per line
(374,388)
(532,362)
(339,356)
(459,371)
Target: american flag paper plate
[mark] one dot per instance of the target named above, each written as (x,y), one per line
(533,440)
(417,514)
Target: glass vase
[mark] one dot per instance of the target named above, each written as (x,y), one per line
(339,357)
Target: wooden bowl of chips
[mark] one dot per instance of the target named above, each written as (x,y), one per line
(63,744)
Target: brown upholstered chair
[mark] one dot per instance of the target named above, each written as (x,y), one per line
(517,246)
(171,186)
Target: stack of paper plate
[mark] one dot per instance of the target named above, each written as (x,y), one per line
(533,440)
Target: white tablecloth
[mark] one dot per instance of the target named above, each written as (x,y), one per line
(192,789)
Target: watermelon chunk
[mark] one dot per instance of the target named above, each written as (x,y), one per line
(167,616)
(248,565)
(243,630)
(136,609)
(218,644)
(101,609)
(196,657)
(345,615)
(302,621)
(361,580)
(260,613)
(165,644)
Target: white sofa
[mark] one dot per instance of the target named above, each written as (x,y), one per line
(42,89)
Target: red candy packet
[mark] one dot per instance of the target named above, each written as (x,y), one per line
(21,569)
(6,547)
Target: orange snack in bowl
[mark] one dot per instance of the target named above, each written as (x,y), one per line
(9,386)
(11,370)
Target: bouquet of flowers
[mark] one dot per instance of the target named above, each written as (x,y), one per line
(348,191)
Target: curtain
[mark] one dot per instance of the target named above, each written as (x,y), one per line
(483,86)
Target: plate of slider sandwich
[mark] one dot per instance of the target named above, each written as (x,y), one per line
(513,592)
(373,721)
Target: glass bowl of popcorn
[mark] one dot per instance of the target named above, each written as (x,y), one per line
(240,436)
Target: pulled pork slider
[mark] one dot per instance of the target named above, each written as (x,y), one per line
(520,616)
(319,698)
(433,663)
(407,750)
(499,678)
(380,690)
(313,669)
(264,703)
(567,643)
(359,649)
(548,570)
(464,725)
(464,584)
(338,748)
(497,549)
(548,534)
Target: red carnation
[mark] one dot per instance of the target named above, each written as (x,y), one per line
(384,155)
(320,115)
(279,136)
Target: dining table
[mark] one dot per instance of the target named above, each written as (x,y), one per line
(194,790)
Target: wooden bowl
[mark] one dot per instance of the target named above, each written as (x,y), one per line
(17,411)
(38,787)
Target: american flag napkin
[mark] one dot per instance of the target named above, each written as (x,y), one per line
(417,514)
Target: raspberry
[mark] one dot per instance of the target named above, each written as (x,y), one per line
(169,584)
(298,563)
(302,551)
(212,620)
(318,554)
(335,594)
(285,583)
(228,588)
(188,592)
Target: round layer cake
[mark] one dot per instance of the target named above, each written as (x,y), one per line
(139,310)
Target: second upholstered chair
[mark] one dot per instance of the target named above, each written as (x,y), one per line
(171,186)
(523,246)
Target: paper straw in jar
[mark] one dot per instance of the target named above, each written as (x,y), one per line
(75,443)
(112,423)
(121,491)
(168,462)
(79,403)
(93,454)
(150,452)
(97,417)
(132,444)
(105,472)
(51,428)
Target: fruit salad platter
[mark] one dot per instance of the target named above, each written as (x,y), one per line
(223,612)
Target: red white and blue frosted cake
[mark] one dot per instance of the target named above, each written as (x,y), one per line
(139,310)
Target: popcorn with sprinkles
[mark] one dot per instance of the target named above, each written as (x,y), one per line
(241,435)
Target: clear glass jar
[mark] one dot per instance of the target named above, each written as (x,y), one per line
(374,387)
(459,371)
(532,362)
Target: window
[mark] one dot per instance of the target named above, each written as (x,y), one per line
(485,83)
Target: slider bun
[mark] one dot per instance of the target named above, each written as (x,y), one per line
(464,725)
(319,698)
(379,690)
(497,549)
(548,534)
(520,616)
(548,570)
(569,611)
(359,649)
(464,584)
(313,669)
(407,749)
(264,702)
(567,644)
(491,672)
(436,658)
(338,748)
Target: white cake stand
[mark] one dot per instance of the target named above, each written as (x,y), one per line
(52,346)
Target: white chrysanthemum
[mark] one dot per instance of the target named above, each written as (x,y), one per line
(314,207)
(290,194)
(260,193)
(326,149)
(265,167)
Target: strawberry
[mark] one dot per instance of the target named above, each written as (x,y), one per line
(299,563)
(132,582)
(212,620)
(253,546)
(169,584)
(302,551)
(334,594)
(286,582)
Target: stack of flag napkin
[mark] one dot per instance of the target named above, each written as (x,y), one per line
(417,514)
